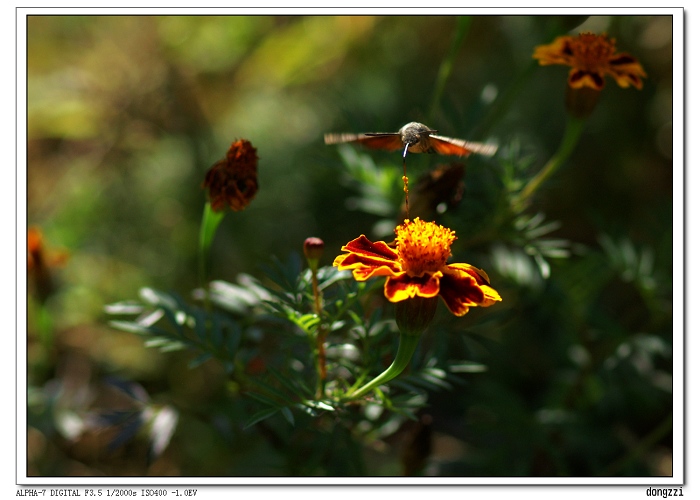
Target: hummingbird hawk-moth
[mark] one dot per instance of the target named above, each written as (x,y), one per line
(414,137)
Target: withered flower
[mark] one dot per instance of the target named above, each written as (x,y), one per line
(233,181)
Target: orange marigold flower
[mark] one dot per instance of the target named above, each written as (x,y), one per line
(591,57)
(233,181)
(418,267)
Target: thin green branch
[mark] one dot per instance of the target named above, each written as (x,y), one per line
(463,23)
(574,127)
(207,230)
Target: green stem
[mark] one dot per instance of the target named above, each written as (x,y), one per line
(445,70)
(321,333)
(574,127)
(210,222)
(407,346)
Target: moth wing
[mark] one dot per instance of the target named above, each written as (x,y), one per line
(458,147)
(380,140)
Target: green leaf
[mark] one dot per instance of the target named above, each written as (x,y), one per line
(307,322)
(318,405)
(329,275)
(287,414)
(262,399)
(124,307)
(467,367)
(291,386)
(273,391)
(306,409)
(202,358)
(150,318)
(260,416)
(238,298)
(165,344)
(129,326)
(157,298)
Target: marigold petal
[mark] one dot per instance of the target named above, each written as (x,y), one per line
(623,59)
(368,259)
(398,288)
(478,274)
(579,78)
(378,249)
(354,261)
(557,52)
(627,71)
(363,273)
(460,290)
(491,296)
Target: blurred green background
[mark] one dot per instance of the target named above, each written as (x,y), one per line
(126,114)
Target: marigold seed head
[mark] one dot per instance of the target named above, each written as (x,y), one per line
(423,246)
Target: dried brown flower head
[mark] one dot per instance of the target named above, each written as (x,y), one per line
(233,181)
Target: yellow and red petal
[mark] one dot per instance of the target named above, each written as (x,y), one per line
(373,250)
(363,273)
(367,259)
(491,296)
(557,52)
(463,286)
(579,78)
(402,287)
(626,71)
(460,291)
(479,275)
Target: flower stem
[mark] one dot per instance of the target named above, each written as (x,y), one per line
(320,336)
(574,127)
(463,23)
(407,346)
(207,230)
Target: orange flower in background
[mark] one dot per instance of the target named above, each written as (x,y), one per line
(591,58)
(40,262)
(418,267)
(233,181)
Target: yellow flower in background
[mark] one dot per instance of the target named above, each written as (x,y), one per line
(591,58)
(418,267)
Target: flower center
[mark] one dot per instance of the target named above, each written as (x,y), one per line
(423,246)
(592,51)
